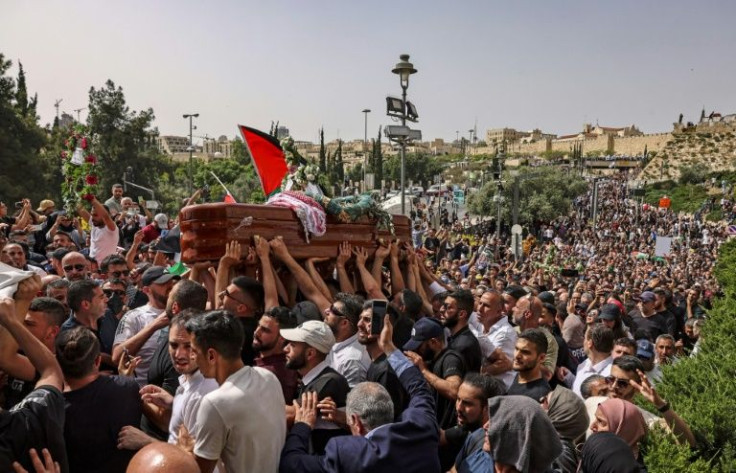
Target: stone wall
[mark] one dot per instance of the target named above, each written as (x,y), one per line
(634,145)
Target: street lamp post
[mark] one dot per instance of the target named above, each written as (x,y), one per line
(366,111)
(190,116)
(403,69)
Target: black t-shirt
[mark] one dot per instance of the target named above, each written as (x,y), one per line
(533,389)
(36,422)
(669,321)
(94,416)
(655,325)
(16,390)
(449,363)
(381,372)
(465,343)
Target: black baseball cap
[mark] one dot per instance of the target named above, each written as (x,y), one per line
(157,275)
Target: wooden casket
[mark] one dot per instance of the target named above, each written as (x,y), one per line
(206,228)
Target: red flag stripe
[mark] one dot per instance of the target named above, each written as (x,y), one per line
(268,158)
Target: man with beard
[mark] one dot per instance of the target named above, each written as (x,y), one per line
(455,316)
(88,303)
(306,353)
(441,367)
(137,334)
(347,356)
(104,234)
(182,407)
(269,344)
(59,290)
(380,370)
(526,315)
(531,349)
(466,439)
(75,266)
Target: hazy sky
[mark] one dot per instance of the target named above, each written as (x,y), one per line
(550,64)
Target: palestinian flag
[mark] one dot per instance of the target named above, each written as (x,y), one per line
(268,158)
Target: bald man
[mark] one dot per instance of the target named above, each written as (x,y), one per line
(526,314)
(161,457)
(75,266)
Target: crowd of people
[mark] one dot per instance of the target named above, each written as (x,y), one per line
(448,352)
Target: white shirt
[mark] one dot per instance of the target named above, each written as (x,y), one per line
(501,335)
(350,359)
(588,369)
(103,242)
(242,422)
(132,323)
(192,388)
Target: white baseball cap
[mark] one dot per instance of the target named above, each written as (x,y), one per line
(314,333)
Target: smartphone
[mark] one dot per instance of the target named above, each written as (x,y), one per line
(569,273)
(379,312)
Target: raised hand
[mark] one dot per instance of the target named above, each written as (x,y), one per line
(28,288)
(307,412)
(279,248)
(131,438)
(344,253)
(233,253)
(361,255)
(263,249)
(383,250)
(647,391)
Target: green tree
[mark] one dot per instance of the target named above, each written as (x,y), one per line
(419,168)
(125,139)
(25,173)
(339,166)
(546,193)
(377,161)
(322,151)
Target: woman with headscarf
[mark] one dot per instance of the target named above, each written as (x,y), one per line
(606,452)
(570,419)
(623,419)
(520,437)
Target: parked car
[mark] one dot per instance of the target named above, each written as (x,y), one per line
(417,191)
(437,189)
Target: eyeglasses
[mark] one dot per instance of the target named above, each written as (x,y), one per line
(225,294)
(620,383)
(117,274)
(75,267)
(110,292)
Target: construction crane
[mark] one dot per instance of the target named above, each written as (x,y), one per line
(79,110)
(56,104)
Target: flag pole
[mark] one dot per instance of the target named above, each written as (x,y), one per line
(218,180)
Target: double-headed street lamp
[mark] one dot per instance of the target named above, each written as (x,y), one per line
(405,111)
(191,149)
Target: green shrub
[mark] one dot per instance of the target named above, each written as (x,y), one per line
(701,389)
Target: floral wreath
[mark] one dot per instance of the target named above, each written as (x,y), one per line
(79,168)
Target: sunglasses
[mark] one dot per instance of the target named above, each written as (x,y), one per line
(333,310)
(75,267)
(620,383)
(225,294)
(117,274)
(110,292)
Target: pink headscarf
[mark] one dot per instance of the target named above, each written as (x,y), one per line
(625,420)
